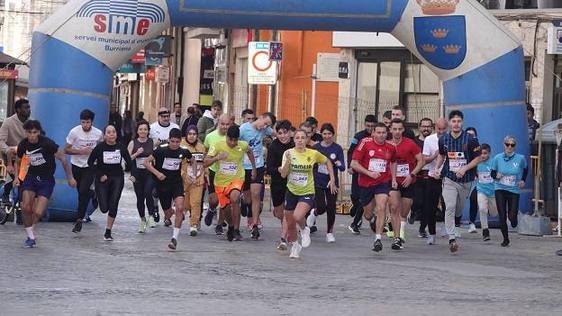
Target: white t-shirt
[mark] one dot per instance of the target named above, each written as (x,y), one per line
(79,140)
(161,133)
(430,147)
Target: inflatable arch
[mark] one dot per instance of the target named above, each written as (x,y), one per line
(77,50)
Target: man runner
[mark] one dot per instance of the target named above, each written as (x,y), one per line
(459,154)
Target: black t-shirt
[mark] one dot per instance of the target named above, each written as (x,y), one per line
(169,161)
(108,159)
(275,158)
(419,142)
(41,156)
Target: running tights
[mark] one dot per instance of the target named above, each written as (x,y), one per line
(326,203)
(109,194)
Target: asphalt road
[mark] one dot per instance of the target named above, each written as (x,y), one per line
(135,275)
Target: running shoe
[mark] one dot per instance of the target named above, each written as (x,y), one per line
(311,219)
(295,250)
(422,234)
(156,216)
(472,228)
(167,222)
(397,244)
(486,234)
(260,226)
(313,229)
(230,233)
(107,236)
(237,235)
(305,237)
(431,240)
(377,246)
(87,219)
(209,217)
(219,230)
(353,229)
(330,238)
(193,231)
(505,242)
(453,246)
(142,226)
(151,223)
(559,252)
(173,244)
(77,226)
(30,243)
(282,245)
(403,235)
(255,232)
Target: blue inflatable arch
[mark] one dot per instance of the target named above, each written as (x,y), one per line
(77,50)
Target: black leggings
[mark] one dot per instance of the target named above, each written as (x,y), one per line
(84,178)
(431,192)
(109,194)
(473,206)
(144,184)
(356,208)
(326,203)
(508,206)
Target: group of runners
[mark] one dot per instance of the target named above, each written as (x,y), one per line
(396,176)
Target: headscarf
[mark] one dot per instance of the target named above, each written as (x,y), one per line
(189,129)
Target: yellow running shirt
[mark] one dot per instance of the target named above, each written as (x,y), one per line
(300,180)
(231,168)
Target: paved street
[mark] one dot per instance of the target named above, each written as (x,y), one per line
(135,274)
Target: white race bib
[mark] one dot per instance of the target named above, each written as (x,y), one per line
(86,143)
(299,179)
(171,164)
(508,180)
(455,165)
(485,177)
(402,171)
(323,169)
(377,165)
(198,157)
(228,168)
(112,157)
(36,159)
(140,162)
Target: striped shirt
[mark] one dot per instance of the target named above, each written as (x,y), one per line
(458,152)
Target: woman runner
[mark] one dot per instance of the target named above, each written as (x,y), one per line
(325,200)
(140,148)
(107,157)
(297,167)
(194,178)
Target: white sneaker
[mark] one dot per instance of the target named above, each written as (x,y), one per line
(330,238)
(310,219)
(472,228)
(151,223)
(295,250)
(142,226)
(305,237)
(431,240)
(457,232)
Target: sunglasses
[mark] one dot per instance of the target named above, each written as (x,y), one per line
(509,145)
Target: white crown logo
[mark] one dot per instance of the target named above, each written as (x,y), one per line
(438,7)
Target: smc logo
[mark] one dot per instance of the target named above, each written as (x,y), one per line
(124,17)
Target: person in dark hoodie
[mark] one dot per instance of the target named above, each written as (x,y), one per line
(208,122)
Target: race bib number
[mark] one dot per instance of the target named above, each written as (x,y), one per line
(457,161)
(198,157)
(112,157)
(377,165)
(140,162)
(86,143)
(403,170)
(228,168)
(299,179)
(36,159)
(485,177)
(508,180)
(171,164)
(323,169)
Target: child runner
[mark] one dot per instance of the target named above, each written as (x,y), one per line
(194,178)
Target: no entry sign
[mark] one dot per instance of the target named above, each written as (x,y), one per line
(261,69)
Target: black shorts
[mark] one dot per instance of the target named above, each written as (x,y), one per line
(168,193)
(278,191)
(211,184)
(248,178)
(368,194)
(407,193)
(41,186)
(292,200)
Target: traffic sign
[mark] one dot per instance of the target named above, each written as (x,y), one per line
(261,69)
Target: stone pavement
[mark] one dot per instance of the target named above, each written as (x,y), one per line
(135,275)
